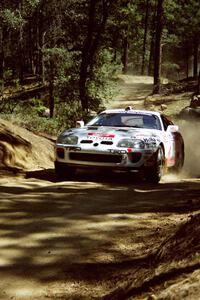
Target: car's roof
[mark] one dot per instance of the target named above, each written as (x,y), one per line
(130,110)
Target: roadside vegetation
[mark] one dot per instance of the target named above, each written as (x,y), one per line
(33,113)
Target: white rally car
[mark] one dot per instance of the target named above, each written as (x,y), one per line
(122,139)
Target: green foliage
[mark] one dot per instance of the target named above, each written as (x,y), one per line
(1,83)
(7,74)
(33,122)
(68,114)
(63,66)
(169,38)
(101,85)
(38,106)
(33,3)
(17,83)
(12,18)
(183,18)
(171,70)
(31,115)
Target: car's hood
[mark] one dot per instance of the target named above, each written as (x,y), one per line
(115,132)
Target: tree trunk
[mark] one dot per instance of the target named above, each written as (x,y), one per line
(158,48)
(152,46)
(195,60)
(42,57)
(151,55)
(90,48)
(21,56)
(30,50)
(37,42)
(1,63)
(85,57)
(51,98)
(39,45)
(82,82)
(198,85)
(51,90)
(125,55)
(145,37)
(21,50)
(187,60)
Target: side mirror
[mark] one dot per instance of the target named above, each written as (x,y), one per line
(172,128)
(79,124)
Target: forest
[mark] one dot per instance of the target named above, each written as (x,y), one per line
(74,49)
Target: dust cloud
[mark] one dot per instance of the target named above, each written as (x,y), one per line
(191,134)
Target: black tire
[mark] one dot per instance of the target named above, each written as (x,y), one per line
(64,172)
(155,173)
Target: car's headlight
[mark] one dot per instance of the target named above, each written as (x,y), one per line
(67,139)
(128,143)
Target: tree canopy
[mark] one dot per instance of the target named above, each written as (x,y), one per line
(76,46)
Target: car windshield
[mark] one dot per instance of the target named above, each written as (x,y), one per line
(137,120)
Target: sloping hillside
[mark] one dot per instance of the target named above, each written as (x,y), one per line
(22,150)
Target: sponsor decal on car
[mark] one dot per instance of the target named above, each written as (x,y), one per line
(96,135)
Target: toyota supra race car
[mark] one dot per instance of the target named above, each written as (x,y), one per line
(140,141)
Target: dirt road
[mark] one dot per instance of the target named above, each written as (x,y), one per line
(79,240)
(98,237)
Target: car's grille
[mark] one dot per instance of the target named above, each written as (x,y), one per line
(104,158)
(135,157)
(102,142)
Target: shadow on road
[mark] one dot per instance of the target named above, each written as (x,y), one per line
(87,175)
(73,231)
(46,174)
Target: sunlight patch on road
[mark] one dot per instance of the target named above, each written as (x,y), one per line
(22,289)
(130,79)
(24,183)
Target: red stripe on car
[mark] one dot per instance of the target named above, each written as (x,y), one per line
(101,134)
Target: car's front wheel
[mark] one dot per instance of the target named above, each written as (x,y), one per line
(155,173)
(63,171)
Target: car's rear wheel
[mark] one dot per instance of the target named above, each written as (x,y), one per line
(155,173)
(63,171)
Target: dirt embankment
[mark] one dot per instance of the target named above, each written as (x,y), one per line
(22,150)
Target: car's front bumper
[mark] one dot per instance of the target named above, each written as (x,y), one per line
(113,158)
